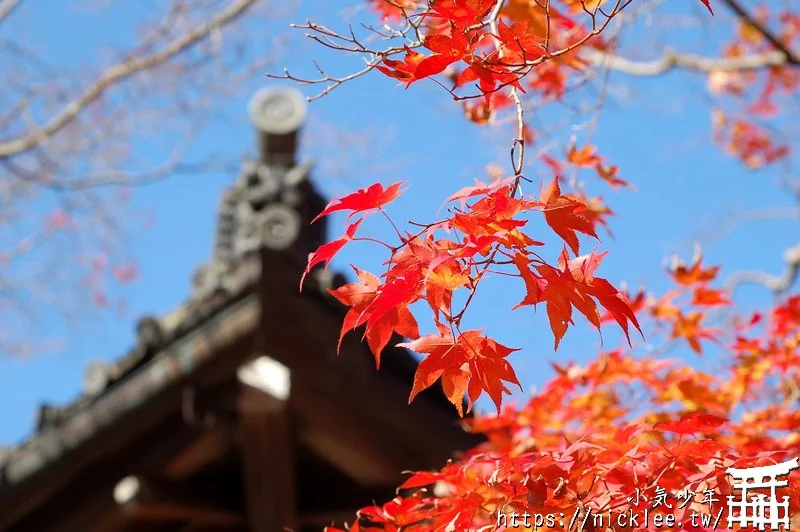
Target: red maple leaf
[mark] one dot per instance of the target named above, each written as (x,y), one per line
(463,13)
(564,214)
(326,251)
(360,297)
(366,199)
(691,423)
(405,70)
(519,45)
(470,363)
(573,284)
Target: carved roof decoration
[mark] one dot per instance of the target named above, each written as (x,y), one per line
(172,436)
(269,205)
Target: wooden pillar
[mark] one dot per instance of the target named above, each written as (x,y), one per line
(267,446)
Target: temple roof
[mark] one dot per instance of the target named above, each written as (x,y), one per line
(243,303)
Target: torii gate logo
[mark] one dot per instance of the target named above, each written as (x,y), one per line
(759,510)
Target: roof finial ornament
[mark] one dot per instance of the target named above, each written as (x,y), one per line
(278,113)
(265,207)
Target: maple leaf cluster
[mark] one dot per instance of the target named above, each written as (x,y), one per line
(503,49)
(525,45)
(597,435)
(620,424)
(486,230)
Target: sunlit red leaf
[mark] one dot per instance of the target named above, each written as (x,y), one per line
(565,215)
(692,423)
(363,200)
(328,250)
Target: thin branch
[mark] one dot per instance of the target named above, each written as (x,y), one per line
(790,56)
(119,73)
(672,59)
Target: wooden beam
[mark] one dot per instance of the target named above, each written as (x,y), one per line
(121,415)
(421,435)
(208,448)
(144,499)
(268,460)
(351,443)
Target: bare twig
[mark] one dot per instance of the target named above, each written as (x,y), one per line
(790,56)
(119,73)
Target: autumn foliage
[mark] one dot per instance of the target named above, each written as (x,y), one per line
(595,434)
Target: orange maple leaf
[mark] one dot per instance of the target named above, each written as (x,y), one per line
(382,318)
(688,326)
(693,274)
(584,157)
(469,363)
(573,284)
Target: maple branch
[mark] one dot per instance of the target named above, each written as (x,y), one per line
(671,60)
(519,143)
(778,284)
(333,82)
(781,56)
(172,166)
(791,57)
(116,74)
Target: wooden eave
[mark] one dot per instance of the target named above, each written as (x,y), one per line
(349,424)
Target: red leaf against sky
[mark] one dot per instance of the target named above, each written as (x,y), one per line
(447,49)
(327,251)
(470,363)
(461,12)
(519,45)
(609,175)
(363,200)
(404,70)
(596,212)
(488,79)
(688,326)
(564,214)
(692,423)
(479,189)
(693,274)
(360,297)
(709,297)
(637,304)
(707,3)
(573,284)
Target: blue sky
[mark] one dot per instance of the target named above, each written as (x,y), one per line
(658,133)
